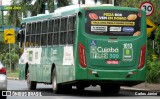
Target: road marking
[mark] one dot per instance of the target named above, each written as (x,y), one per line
(58,98)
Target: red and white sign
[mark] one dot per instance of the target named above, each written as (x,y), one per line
(148,7)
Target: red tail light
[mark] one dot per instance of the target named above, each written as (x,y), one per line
(82,56)
(142,57)
(2,71)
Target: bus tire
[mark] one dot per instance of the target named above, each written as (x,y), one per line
(110,89)
(31,84)
(55,86)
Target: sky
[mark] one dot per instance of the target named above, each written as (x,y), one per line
(6,2)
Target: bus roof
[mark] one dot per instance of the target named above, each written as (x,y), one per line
(63,11)
(68,10)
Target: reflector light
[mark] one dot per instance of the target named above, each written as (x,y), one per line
(112,62)
(142,57)
(82,56)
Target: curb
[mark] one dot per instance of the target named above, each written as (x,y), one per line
(131,88)
(12,78)
(139,89)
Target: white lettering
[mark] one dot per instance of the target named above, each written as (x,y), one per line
(118,14)
(100,49)
(140,93)
(103,17)
(152,94)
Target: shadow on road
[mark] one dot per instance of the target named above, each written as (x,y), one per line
(90,93)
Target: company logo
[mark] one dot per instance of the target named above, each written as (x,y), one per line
(128,29)
(107,50)
(115,28)
(93,16)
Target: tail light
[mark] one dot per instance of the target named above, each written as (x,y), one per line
(2,71)
(82,56)
(142,57)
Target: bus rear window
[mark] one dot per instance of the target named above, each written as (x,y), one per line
(112,22)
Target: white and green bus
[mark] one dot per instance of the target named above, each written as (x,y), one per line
(84,45)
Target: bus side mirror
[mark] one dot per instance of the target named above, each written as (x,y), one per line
(20,37)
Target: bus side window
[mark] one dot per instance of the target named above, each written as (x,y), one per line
(63,31)
(38,31)
(20,37)
(44,40)
(33,36)
(50,33)
(28,34)
(71,29)
(56,32)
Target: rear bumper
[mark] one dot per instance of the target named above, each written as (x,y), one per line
(3,82)
(107,82)
(124,77)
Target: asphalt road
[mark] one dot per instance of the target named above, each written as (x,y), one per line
(91,92)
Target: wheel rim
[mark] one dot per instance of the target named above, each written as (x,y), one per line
(54,83)
(28,81)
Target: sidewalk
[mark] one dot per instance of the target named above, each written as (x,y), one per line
(145,86)
(12,78)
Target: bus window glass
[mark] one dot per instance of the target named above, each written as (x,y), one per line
(33,35)
(44,33)
(44,39)
(50,33)
(71,23)
(44,26)
(28,34)
(33,28)
(71,29)
(37,40)
(63,24)
(71,37)
(50,38)
(63,36)
(39,28)
(51,23)
(29,28)
(32,43)
(112,22)
(56,39)
(56,32)
(38,31)
(63,31)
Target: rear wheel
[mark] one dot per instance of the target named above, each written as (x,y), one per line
(56,87)
(110,89)
(31,84)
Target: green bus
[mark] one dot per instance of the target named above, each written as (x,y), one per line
(84,45)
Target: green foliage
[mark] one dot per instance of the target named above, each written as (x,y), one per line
(50,5)
(62,3)
(153,65)
(153,71)
(5,56)
(1,36)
